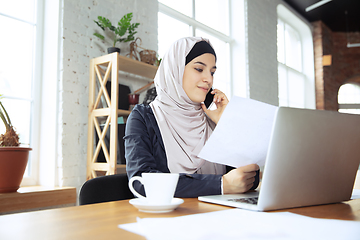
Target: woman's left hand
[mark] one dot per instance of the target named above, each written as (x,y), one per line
(221,101)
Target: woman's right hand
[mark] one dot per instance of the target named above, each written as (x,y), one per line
(220,101)
(239,180)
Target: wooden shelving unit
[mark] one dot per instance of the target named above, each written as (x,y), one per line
(104,109)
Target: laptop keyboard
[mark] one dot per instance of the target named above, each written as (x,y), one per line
(253,200)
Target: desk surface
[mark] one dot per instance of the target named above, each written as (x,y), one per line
(100,221)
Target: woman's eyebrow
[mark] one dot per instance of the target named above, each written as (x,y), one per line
(203,64)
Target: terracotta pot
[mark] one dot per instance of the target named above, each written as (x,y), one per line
(13,161)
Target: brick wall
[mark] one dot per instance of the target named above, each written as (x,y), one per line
(345,66)
(78,46)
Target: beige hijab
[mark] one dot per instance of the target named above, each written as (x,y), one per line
(183,124)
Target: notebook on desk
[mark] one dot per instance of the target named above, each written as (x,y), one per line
(312,159)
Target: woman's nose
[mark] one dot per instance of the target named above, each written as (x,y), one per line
(207,77)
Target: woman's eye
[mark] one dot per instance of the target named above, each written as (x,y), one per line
(212,73)
(198,69)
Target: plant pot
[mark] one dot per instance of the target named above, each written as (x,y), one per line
(113,49)
(13,161)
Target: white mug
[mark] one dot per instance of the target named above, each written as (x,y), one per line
(159,187)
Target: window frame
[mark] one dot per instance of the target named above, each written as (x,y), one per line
(307,69)
(35,100)
(192,22)
(348,107)
(194,25)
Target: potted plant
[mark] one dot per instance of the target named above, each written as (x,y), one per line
(124,32)
(13,157)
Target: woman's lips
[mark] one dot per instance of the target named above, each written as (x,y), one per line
(205,89)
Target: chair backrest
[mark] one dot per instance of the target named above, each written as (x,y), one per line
(105,189)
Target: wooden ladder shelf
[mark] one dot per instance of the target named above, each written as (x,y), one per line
(101,107)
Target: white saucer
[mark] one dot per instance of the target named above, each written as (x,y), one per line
(143,206)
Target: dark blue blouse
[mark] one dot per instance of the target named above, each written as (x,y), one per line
(145,152)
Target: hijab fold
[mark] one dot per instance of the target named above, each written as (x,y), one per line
(183,124)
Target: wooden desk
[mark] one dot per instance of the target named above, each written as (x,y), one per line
(100,221)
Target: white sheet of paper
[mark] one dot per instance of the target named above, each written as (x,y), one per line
(355,194)
(242,135)
(243,224)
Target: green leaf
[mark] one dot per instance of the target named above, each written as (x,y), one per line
(129,38)
(125,21)
(99,36)
(99,25)
(121,31)
(104,22)
(5,117)
(133,27)
(124,26)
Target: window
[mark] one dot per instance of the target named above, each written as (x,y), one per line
(18,20)
(349,98)
(177,19)
(295,61)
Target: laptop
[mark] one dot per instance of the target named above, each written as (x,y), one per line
(312,159)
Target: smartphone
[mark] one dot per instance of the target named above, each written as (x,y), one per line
(209,99)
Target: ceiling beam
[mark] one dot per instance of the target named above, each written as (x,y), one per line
(316,5)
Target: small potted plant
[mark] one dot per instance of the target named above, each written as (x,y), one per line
(13,157)
(124,32)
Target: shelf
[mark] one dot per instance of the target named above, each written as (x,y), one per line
(106,111)
(128,65)
(102,69)
(123,112)
(135,67)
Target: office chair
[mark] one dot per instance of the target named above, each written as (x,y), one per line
(105,189)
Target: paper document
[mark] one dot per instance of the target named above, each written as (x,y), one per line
(242,135)
(243,224)
(355,194)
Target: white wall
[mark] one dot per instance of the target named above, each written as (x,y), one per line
(261,33)
(238,45)
(77,47)
(261,38)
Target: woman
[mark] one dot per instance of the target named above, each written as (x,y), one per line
(168,135)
